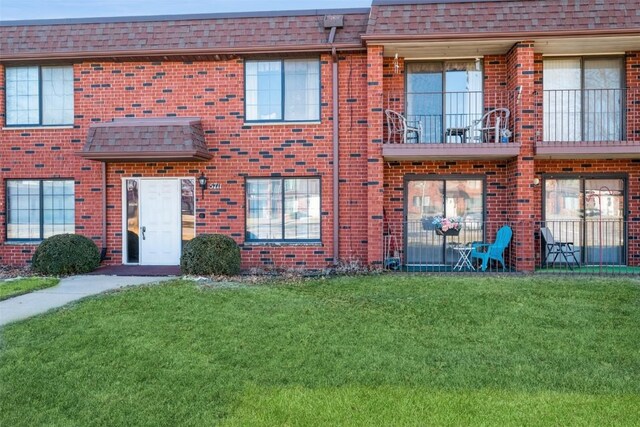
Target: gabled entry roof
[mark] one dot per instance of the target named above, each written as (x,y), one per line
(148,139)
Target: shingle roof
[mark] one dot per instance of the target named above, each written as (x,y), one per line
(447,17)
(206,34)
(149,139)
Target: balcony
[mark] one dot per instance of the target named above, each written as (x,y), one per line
(588,123)
(452,125)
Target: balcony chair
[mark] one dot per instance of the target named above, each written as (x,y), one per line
(492,127)
(566,250)
(492,251)
(397,125)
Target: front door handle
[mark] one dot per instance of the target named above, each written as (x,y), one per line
(143,230)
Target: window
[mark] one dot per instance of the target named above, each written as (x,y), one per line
(38,209)
(589,212)
(39,96)
(284,90)
(428,198)
(283,209)
(583,99)
(443,95)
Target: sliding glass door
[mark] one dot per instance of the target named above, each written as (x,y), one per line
(428,198)
(583,99)
(443,95)
(589,212)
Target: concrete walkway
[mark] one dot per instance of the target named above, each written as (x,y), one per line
(68,290)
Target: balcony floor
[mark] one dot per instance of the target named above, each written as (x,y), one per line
(588,150)
(449,151)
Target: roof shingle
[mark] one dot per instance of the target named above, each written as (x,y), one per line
(232,35)
(444,18)
(179,138)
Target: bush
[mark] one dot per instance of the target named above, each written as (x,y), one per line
(209,254)
(66,254)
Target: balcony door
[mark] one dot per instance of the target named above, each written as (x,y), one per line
(443,95)
(583,99)
(590,213)
(428,198)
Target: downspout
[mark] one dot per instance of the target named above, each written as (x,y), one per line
(336,152)
(103,252)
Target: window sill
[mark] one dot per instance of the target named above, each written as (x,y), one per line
(37,127)
(22,242)
(317,122)
(318,243)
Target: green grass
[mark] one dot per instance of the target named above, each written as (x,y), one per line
(378,350)
(13,288)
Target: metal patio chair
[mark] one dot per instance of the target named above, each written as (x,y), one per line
(491,127)
(397,126)
(566,250)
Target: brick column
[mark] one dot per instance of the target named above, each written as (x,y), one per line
(375,165)
(520,65)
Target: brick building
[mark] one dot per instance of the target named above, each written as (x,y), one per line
(526,113)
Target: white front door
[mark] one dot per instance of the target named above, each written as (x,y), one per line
(160,242)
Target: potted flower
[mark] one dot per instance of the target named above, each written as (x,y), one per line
(447,226)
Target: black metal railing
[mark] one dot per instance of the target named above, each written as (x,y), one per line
(584,115)
(589,245)
(421,246)
(453,117)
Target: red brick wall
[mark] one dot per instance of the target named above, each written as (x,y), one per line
(353,157)
(375,169)
(213,91)
(632,72)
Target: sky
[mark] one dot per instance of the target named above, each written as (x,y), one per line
(11,10)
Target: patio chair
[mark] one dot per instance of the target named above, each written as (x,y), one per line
(566,250)
(492,251)
(397,125)
(491,127)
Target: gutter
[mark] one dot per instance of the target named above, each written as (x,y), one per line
(182,52)
(335,22)
(520,35)
(103,252)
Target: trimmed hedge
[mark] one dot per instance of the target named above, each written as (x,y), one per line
(64,254)
(209,254)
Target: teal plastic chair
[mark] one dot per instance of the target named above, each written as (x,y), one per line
(492,251)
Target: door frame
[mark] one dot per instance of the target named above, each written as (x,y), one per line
(123,202)
(582,177)
(432,177)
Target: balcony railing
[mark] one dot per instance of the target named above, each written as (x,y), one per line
(593,116)
(418,246)
(591,245)
(452,117)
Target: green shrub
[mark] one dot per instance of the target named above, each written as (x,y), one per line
(208,254)
(66,254)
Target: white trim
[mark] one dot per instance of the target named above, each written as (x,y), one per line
(37,127)
(123,210)
(282,123)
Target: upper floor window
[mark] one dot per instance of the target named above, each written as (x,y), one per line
(37,209)
(282,90)
(39,96)
(583,99)
(441,96)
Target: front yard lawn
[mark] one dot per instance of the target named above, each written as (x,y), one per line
(14,287)
(374,350)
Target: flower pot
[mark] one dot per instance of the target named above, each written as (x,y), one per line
(427,224)
(450,232)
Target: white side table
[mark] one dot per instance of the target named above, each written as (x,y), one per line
(463,257)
